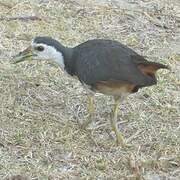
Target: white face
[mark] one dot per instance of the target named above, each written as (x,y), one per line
(45,52)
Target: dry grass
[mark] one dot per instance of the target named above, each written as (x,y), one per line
(40,106)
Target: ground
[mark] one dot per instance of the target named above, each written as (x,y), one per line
(40,107)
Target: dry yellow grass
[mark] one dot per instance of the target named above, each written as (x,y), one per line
(40,106)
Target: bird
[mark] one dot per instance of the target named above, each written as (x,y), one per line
(102,66)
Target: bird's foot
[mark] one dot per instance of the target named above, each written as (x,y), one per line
(120,141)
(86,123)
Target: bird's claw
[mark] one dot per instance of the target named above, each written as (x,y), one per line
(121,142)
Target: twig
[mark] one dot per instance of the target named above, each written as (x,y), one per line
(5,5)
(22,18)
(154,13)
(177,16)
(134,136)
(155,21)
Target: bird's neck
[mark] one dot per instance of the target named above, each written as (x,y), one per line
(64,60)
(69,62)
(59,59)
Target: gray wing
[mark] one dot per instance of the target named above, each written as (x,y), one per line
(108,60)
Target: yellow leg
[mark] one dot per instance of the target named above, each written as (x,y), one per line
(90,112)
(119,136)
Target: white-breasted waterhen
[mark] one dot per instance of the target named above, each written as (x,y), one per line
(104,66)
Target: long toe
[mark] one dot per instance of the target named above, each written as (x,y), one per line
(86,122)
(120,141)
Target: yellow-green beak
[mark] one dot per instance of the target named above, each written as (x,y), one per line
(22,56)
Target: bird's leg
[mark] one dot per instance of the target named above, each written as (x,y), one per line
(119,136)
(91,106)
(90,111)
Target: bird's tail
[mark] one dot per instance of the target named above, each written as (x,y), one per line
(149,67)
(156,66)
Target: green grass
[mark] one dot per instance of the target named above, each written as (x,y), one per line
(40,106)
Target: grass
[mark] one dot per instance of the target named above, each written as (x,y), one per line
(40,106)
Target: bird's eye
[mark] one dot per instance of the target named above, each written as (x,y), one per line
(39,48)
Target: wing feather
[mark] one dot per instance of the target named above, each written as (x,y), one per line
(102,60)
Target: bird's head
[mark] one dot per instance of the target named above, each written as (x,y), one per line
(42,48)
